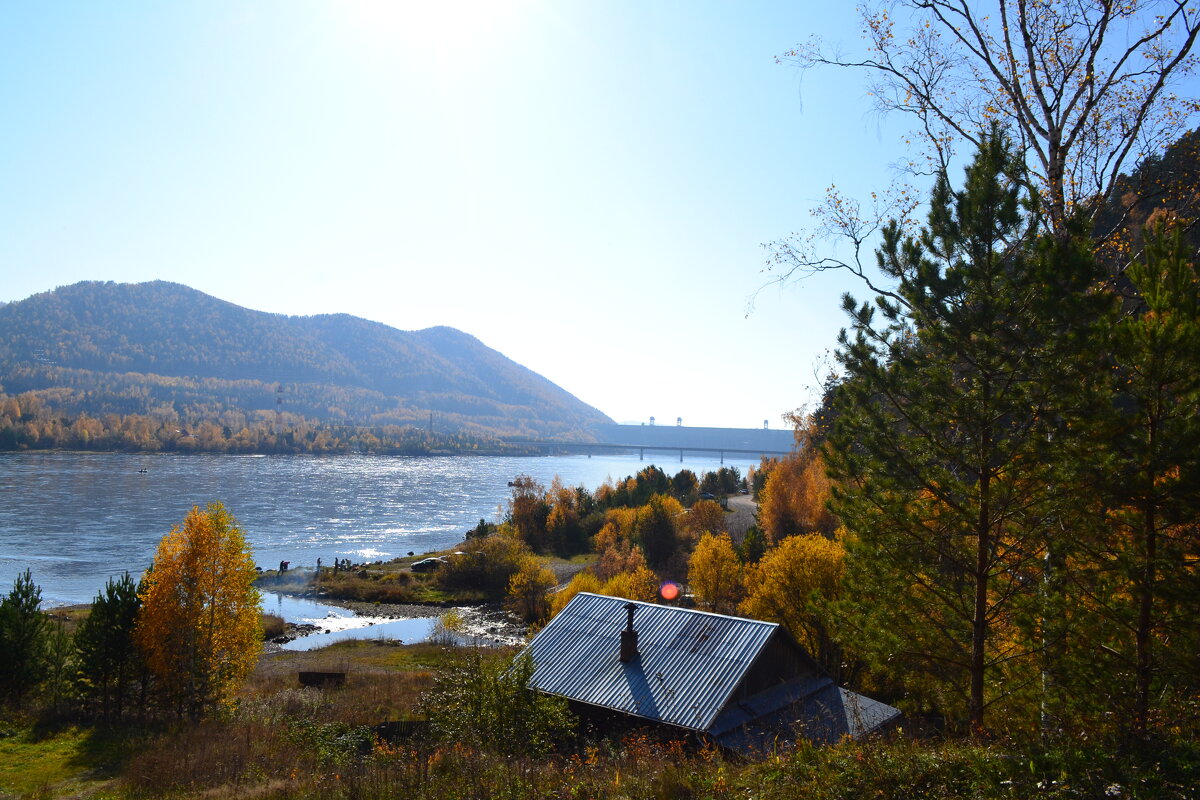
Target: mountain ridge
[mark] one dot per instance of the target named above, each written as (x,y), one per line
(96,336)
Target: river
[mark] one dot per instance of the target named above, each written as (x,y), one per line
(75,519)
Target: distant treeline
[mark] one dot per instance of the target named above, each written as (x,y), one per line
(77,392)
(29,422)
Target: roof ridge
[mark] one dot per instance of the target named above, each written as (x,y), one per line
(679,609)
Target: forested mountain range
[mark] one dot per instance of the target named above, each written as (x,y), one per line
(165,350)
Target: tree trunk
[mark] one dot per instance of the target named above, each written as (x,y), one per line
(979,623)
(1145,622)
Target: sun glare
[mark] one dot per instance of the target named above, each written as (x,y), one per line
(441,28)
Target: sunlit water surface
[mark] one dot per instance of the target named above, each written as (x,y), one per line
(75,519)
(337,624)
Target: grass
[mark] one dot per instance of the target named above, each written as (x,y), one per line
(273,625)
(61,761)
(284,741)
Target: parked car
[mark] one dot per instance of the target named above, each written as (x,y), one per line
(428,564)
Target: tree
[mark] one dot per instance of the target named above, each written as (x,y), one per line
(705,516)
(565,534)
(109,662)
(640,584)
(1085,86)
(527,589)
(656,529)
(528,510)
(199,625)
(1160,187)
(715,574)
(59,664)
(794,585)
(956,403)
(685,486)
(795,497)
(22,639)
(1150,553)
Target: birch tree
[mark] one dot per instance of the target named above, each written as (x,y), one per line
(1087,89)
(198,629)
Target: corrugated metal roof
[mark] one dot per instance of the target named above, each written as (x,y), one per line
(814,708)
(689,663)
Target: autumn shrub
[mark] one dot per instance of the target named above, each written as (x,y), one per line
(375,587)
(585,581)
(527,590)
(620,557)
(640,584)
(481,701)
(487,566)
(273,626)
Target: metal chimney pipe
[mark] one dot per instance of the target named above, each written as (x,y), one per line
(629,637)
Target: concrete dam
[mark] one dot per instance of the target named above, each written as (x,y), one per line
(681,439)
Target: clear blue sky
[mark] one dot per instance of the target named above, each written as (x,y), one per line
(584,186)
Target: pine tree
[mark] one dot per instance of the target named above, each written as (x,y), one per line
(110,665)
(22,639)
(957,393)
(1148,583)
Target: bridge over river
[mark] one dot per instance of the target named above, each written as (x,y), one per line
(664,438)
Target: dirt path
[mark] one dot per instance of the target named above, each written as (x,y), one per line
(740,516)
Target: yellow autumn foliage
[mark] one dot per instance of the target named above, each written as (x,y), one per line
(706,516)
(794,499)
(527,589)
(715,574)
(641,584)
(585,581)
(791,585)
(198,629)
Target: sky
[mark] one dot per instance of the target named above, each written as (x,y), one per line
(584,186)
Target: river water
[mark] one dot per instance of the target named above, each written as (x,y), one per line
(75,519)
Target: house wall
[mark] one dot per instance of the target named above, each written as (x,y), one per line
(779,661)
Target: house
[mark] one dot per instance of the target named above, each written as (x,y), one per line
(743,683)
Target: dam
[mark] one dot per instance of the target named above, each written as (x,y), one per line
(678,438)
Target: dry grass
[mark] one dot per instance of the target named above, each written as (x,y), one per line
(273,625)
(280,734)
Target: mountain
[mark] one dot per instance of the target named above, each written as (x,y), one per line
(100,347)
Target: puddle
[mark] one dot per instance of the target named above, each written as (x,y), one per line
(338,624)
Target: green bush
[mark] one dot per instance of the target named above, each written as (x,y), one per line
(481,701)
